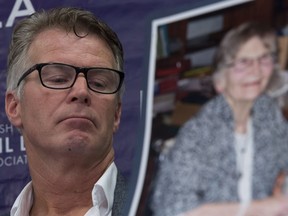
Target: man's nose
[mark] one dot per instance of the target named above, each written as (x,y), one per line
(80,91)
(80,82)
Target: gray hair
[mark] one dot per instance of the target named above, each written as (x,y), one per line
(233,41)
(78,21)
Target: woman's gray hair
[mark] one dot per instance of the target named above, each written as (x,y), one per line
(78,21)
(233,41)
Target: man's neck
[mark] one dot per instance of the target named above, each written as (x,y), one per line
(65,190)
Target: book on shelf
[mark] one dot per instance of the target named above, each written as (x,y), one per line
(171,66)
(166,84)
(283,51)
(163,103)
(197,72)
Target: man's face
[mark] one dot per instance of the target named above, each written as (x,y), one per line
(75,121)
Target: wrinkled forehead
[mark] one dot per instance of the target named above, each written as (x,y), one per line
(56,45)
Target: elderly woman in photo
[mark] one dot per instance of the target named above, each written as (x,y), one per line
(227,159)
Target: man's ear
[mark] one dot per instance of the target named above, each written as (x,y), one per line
(117,116)
(12,108)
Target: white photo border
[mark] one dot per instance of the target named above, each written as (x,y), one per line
(148,106)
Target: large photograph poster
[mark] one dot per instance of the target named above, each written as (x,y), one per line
(182,47)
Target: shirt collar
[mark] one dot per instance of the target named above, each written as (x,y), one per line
(103,191)
(102,194)
(23,203)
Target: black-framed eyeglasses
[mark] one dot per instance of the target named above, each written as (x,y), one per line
(63,76)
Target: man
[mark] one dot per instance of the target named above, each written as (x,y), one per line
(64,95)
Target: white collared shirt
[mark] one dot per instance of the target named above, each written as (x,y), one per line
(102,196)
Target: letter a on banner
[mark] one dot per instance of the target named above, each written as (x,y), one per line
(17,12)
